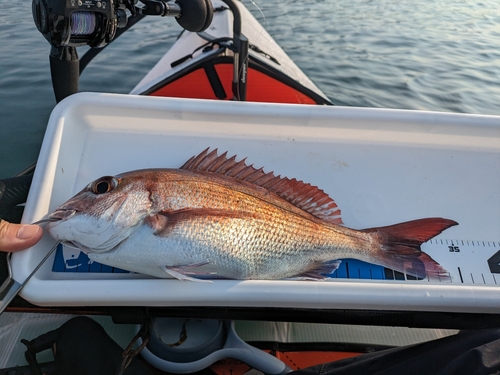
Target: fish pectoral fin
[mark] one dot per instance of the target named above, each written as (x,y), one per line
(157,222)
(320,272)
(163,222)
(178,273)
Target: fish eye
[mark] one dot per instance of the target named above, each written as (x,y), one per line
(104,185)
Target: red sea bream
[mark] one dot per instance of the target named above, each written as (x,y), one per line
(218,218)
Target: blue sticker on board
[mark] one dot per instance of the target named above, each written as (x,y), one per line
(69,259)
(357,269)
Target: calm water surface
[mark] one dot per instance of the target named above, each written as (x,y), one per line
(420,54)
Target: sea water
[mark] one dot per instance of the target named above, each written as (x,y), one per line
(420,55)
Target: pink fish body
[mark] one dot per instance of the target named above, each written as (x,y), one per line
(215,217)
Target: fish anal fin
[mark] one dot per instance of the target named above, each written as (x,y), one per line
(320,272)
(305,196)
(400,247)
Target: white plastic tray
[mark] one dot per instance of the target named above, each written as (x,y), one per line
(381,166)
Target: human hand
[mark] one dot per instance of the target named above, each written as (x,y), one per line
(15,237)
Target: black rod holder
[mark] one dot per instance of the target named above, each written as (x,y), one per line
(240,67)
(65,71)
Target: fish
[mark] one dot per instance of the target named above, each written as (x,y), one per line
(215,217)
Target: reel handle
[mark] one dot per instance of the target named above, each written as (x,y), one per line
(196,15)
(192,15)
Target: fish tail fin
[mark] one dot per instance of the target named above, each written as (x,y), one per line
(399,247)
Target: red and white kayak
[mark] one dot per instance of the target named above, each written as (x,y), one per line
(200,65)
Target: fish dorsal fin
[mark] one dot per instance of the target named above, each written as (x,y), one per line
(305,196)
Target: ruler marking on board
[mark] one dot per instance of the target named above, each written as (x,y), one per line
(460,273)
(470,261)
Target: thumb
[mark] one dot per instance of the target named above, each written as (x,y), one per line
(15,237)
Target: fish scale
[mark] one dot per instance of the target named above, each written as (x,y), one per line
(245,248)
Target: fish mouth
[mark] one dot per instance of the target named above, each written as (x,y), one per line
(43,221)
(59,215)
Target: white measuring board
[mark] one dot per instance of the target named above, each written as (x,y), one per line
(467,262)
(382,167)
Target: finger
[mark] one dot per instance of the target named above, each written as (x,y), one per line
(15,237)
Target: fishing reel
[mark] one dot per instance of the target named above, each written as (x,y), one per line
(78,22)
(67,24)
(94,22)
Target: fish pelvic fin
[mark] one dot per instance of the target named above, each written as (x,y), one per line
(179,274)
(399,247)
